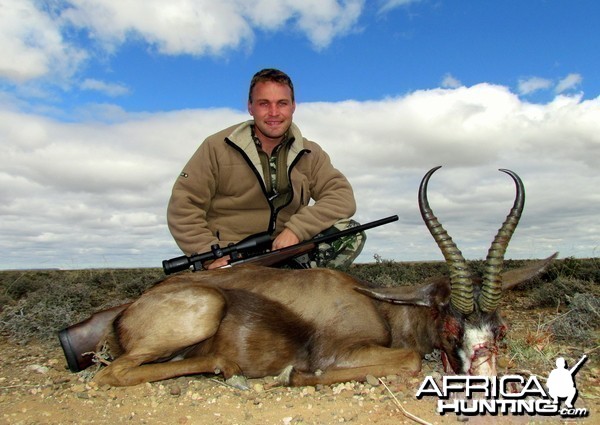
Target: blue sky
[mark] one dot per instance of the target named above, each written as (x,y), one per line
(103,102)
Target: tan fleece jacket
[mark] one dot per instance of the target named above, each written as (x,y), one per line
(220,195)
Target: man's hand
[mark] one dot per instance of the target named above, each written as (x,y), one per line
(285,239)
(219,262)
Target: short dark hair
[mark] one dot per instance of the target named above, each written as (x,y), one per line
(271,74)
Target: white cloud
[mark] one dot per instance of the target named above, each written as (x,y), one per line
(450,82)
(387,5)
(32,45)
(319,20)
(110,89)
(533,84)
(76,195)
(569,82)
(200,27)
(176,27)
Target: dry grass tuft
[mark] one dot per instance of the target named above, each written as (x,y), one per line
(581,322)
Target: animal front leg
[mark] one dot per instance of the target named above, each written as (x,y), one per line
(129,370)
(357,364)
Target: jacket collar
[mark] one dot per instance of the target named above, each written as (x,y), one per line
(241,136)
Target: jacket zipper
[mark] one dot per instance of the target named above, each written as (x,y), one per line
(273,215)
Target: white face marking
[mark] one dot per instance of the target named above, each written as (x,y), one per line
(477,351)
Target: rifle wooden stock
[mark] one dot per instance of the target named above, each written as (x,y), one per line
(276,257)
(80,341)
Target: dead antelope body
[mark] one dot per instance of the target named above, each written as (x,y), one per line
(316,326)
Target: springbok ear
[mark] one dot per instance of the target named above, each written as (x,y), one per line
(426,295)
(512,278)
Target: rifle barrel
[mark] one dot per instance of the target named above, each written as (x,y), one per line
(353,230)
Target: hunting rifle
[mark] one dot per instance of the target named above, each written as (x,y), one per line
(255,249)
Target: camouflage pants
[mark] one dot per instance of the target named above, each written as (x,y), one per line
(339,253)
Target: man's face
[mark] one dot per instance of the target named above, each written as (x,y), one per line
(272,108)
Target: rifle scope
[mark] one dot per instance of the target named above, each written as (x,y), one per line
(184,262)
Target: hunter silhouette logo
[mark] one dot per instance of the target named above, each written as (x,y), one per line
(561,382)
(508,394)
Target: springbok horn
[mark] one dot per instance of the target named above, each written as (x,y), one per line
(461,283)
(491,288)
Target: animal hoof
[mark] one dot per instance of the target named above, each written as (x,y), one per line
(285,376)
(238,381)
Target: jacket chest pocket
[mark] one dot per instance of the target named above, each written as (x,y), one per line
(236,180)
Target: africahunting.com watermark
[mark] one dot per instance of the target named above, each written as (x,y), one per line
(509,394)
